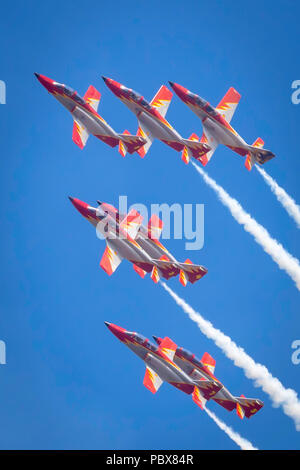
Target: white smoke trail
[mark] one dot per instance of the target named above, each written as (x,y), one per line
(283,258)
(280,396)
(243,443)
(285,200)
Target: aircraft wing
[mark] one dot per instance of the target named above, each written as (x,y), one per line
(92,97)
(162,100)
(144,132)
(228,104)
(152,380)
(110,259)
(131,223)
(155,226)
(167,347)
(207,138)
(80,134)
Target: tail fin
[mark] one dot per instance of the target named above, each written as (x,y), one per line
(130,143)
(194,148)
(80,133)
(92,97)
(190,272)
(247,406)
(257,154)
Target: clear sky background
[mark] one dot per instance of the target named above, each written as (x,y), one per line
(68,382)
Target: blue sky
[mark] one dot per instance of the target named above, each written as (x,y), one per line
(68,383)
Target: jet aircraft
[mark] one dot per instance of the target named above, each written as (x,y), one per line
(86,119)
(217,129)
(152,122)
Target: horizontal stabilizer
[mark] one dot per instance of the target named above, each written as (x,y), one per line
(243,406)
(208,388)
(257,154)
(247,406)
(130,143)
(167,268)
(131,223)
(110,259)
(80,134)
(192,272)
(194,147)
(162,100)
(152,380)
(167,347)
(92,97)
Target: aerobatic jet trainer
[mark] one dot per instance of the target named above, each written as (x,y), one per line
(180,368)
(152,122)
(86,119)
(127,238)
(217,129)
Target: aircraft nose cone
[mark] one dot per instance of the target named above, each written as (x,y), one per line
(118,331)
(81,206)
(179,90)
(156,339)
(45,81)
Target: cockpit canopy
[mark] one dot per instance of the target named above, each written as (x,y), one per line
(136,97)
(187,354)
(196,99)
(144,341)
(71,93)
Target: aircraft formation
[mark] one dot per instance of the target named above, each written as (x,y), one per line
(180,368)
(153,125)
(127,238)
